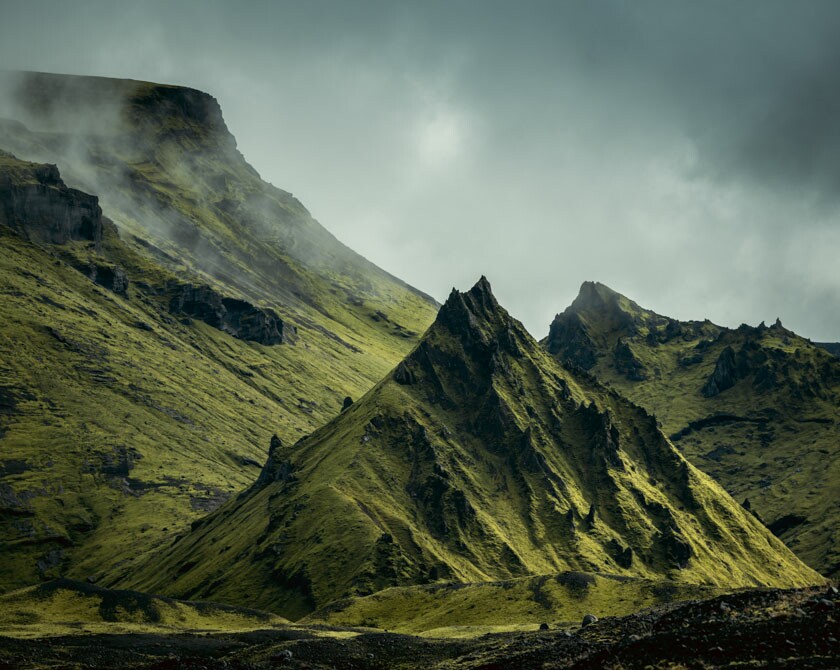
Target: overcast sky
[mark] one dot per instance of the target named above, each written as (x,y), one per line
(686,154)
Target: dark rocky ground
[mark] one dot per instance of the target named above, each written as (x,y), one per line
(754,629)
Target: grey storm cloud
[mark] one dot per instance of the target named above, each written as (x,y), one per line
(684,153)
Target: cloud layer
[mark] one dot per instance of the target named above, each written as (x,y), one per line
(686,154)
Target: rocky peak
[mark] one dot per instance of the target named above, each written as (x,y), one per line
(599,303)
(469,309)
(588,327)
(476,319)
(594,295)
(471,341)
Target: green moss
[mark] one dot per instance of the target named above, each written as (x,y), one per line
(770,438)
(466,610)
(126,424)
(63,607)
(477,460)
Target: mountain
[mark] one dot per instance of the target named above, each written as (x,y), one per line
(758,408)
(479,458)
(164,313)
(166,170)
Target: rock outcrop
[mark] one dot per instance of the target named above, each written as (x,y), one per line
(112,277)
(37,204)
(231,315)
(726,373)
(627,363)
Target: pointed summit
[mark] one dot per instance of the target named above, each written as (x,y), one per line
(474,312)
(601,303)
(478,459)
(598,319)
(595,295)
(475,336)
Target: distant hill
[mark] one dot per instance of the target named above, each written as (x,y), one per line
(758,408)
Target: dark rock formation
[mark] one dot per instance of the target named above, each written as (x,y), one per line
(569,341)
(676,549)
(112,277)
(726,373)
(747,505)
(236,317)
(275,469)
(348,402)
(36,203)
(768,367)
(622,555)
(403,375)
(627,363)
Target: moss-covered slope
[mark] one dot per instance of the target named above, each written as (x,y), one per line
(479,458)
(141,377)
(65,607)
(461,610)
(756,408)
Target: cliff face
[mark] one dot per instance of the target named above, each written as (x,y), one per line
(37,204)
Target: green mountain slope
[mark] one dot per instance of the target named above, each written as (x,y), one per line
(144,369)
(460,610)
(65,607)
(478,459)
(756,408)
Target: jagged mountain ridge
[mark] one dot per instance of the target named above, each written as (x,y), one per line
(755,407)
(478,459)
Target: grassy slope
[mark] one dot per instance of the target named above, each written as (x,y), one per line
(454,609)
(783,455)
(64,607)
(476,461)
(88,390)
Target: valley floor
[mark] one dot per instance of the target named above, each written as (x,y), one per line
(757,629)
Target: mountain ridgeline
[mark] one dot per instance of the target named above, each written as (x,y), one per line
(758,408)
(478,459)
